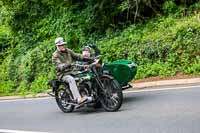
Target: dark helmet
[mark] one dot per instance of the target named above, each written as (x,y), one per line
(86,48)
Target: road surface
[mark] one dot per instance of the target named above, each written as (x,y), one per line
(160,111)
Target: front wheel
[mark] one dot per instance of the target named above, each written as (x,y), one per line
(63,96)
(111,96)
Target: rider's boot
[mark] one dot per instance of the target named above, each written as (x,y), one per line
(84,99)
(81,100)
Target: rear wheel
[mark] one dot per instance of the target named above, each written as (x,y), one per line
(63,97)
(111,97)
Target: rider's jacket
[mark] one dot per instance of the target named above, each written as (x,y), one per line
(64,60)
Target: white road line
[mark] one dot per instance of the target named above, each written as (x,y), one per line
(17,131)
(162,89)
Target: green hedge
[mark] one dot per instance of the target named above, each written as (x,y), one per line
(161,46)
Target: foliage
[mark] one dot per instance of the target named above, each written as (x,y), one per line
(161,47)
(40,84)
(162,37)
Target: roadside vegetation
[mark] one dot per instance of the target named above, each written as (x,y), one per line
(162,38)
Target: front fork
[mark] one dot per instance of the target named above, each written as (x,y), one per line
(98,81)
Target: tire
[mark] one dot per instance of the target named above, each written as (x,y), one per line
(62,96)
(111,97)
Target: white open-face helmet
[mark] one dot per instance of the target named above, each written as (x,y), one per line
(59,41)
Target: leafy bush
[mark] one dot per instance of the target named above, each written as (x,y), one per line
(7,87)
(23,88)
(170,7)
(40,84)
(162,45)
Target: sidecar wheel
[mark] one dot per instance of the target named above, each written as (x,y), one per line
(111,97)
(62,96)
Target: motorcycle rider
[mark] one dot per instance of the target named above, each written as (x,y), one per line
(86,51)
(63,59)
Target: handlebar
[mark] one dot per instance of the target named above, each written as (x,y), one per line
(78,65)
(87,66)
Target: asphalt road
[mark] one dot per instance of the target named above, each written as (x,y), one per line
(168,111)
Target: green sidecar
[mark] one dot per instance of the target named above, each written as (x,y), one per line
(122,70)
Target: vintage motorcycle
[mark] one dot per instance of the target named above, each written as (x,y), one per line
(103,88)
(104,82)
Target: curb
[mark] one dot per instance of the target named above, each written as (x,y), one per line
(143,85)
(39,95)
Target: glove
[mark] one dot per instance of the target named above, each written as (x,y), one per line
(63,66)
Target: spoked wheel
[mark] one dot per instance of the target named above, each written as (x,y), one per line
(111,97)
(63,97)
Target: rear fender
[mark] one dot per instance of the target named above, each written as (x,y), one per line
(54,83)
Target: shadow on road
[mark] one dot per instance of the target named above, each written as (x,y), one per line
(89,110)
(128,101)
(136,98)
